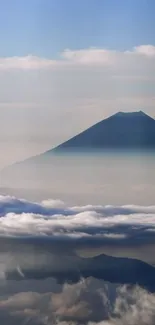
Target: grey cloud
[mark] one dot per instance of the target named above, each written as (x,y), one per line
(87,302)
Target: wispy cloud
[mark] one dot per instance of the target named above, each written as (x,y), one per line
(28,62)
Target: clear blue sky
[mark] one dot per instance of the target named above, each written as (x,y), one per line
(46,27)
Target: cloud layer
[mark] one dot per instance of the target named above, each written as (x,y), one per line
(91,56)
(53,218)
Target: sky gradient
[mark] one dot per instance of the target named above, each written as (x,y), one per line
(66,64)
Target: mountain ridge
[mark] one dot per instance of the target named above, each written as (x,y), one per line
(102,267)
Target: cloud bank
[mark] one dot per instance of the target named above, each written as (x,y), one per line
(91,56)
(53,217)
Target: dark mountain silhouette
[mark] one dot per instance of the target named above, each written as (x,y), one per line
(121,130)
(110,269)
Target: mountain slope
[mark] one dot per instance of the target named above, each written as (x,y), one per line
(122,130)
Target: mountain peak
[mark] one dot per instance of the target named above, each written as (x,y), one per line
(129,114)
(122,130)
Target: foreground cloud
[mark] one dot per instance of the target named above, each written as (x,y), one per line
(87,302)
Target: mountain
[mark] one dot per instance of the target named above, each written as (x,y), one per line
(121,130)
(103,267)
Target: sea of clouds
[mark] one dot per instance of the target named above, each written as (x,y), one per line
(41,240)
(53,217)
(80,227)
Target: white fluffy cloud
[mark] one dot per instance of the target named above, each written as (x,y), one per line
(53,217)
(90,56)
(110,230)
(148,50)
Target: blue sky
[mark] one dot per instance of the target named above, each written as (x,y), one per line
(46,27)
